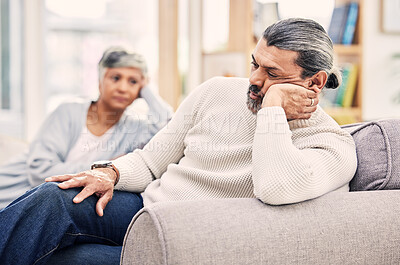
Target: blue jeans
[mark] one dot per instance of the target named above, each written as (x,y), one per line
(45,221)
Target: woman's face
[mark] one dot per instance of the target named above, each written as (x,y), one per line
(120,87)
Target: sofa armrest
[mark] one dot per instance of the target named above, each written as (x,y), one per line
(338,228)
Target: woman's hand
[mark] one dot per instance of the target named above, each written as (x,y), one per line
(99,181)
(143,83)
(297,101)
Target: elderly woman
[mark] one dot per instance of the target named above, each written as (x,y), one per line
(78,133)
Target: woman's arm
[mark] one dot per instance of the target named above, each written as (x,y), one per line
(49,149)
(160,112)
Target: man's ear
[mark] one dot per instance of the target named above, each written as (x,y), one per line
(317,81)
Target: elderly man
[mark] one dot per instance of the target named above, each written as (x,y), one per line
(262,137)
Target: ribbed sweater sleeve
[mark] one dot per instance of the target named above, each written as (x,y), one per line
(140,168)
(296,163)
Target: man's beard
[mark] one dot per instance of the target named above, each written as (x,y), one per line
(254,105)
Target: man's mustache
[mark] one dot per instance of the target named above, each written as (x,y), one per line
(254,89)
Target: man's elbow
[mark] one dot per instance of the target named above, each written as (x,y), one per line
(277,198)
(282,194)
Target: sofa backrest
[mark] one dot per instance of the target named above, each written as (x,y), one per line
(378,154)
(10,147)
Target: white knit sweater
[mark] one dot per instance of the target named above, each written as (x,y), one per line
(214,147)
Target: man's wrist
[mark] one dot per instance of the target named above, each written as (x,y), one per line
(104,164)
(271,102)
(272,99)
(116,171)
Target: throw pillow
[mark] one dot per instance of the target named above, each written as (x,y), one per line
(378,154)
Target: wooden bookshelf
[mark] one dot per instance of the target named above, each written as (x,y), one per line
(345,115)
(355,49)
(351,54)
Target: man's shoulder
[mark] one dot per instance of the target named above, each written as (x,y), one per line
(240,81)
(223,85)
(217,93)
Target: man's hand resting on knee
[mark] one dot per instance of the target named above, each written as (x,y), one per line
(99,181)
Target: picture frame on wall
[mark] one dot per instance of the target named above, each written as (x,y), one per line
(390,16)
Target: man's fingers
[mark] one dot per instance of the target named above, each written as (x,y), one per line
(310,109)
(59,178)
(102,203)
(311,102)
(311,94)
(86,192)
(73,182)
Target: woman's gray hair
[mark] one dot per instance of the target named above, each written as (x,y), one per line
(115,57)
(312,43)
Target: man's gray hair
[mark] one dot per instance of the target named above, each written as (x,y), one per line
(310,40)
(115,57)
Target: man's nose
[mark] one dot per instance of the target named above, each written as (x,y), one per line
(257,79)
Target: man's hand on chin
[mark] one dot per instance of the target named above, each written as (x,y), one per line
(297,102)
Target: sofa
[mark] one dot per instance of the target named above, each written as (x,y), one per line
(357,227)
(10,147)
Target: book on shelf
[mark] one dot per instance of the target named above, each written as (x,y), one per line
(342,88)
(343,95)
(343,23)
(351,22)
(350,87)
(338,23)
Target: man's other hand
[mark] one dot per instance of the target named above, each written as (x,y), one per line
(99,181)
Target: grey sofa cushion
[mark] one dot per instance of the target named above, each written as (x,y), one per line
(333,229)
(378,154)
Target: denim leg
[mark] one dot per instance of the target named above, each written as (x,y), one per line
(45,219)
(87,254)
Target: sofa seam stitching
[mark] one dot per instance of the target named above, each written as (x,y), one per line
(160,229)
